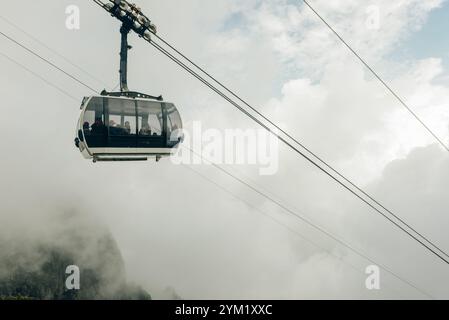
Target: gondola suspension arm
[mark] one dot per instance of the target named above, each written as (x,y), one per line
(124,31)
(132,19)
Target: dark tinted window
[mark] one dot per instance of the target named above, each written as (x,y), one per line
(94,123)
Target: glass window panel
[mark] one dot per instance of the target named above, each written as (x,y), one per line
(122,117)
(174,124)
(94,115)
(150,119)
(173,117)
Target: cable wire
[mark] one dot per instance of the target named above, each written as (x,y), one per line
(307,221)
(316,156)
(54,51)
(297,233)
(308,149)
(47,61)
(320,159)
(39,76)
(385,84)
(213,88)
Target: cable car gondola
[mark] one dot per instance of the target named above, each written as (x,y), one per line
(127,125)
(127,129)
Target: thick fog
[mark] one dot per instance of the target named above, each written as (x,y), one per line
(192,231)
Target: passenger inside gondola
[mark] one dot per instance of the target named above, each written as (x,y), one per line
(86,128)
(145,130)
(127,127)
(115,129)
(98,127)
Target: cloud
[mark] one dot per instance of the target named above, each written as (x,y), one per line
(177,230)
(415,188)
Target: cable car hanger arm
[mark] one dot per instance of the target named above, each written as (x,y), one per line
(132,19)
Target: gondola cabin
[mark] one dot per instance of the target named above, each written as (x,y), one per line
(127,129)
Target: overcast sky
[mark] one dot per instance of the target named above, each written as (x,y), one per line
(180,232)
